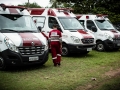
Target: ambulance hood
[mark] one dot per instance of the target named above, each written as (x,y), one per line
(80,33)
(26,39)
(112,33)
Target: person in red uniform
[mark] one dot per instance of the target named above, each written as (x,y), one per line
(55,40)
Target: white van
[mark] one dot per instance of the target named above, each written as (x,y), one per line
(21,42)
(107,36)
(74,37)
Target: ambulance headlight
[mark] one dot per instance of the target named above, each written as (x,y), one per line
(46,47)
(10,45)
(75,39)
(108,36)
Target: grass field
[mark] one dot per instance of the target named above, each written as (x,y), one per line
(77,72)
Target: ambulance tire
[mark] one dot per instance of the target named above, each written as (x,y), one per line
(2,64)
(100,46)
(65,50)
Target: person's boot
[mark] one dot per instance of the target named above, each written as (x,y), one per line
(55,64)
(59,64)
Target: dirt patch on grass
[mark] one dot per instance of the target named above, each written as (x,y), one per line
(113,73)
(110,74)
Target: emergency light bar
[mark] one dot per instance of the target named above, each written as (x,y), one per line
(64,10)
(78,16)
(5,6)
(101,15)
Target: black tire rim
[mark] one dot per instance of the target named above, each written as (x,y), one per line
(64,51)
(100,47)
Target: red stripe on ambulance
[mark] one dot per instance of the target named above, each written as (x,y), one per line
(13,11)
(51,12)
(67,14)
(37,11)
(115,33)
(30,40)
(84,34)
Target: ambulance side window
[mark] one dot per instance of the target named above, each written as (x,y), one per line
(39,20)
(89,24)
(82,22)
(52,21)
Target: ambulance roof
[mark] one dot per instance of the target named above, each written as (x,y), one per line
(17,10)
(58,12)
(91,17)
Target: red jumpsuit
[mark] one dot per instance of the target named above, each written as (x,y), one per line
(55,38)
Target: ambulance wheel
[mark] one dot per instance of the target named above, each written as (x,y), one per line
(2,64)
(100,46)
(65,50)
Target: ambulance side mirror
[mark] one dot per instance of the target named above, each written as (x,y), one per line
(39,28)
(94,29)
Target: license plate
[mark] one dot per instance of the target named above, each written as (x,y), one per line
(33,58)
(89,49)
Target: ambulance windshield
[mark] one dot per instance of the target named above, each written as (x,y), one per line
(17,23)
(70,23)
(104,25)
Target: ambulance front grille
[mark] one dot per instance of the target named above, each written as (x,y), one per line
(34,50)
(116,40)
(88,40)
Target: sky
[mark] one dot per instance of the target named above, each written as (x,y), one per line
(42,3)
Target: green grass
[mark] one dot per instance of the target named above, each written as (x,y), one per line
(75,71)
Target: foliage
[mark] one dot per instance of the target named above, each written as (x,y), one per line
(31,5)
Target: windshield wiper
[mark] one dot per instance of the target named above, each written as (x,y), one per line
(9,30)
(106,29)
(27,31)
(5,29)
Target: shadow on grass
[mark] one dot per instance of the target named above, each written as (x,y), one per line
(24,68)
(79,55)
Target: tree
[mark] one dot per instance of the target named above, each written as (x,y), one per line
(56,4)
(31,5)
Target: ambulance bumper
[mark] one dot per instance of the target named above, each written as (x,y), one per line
(13,58)
(111,44)
(79,48)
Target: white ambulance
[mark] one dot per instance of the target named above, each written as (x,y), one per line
(107,36)
(21,43)
(74,37)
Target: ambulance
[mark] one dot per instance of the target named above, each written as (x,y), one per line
(75,39)
(107,36)
(21,43)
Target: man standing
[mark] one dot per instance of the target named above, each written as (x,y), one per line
(55,39)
